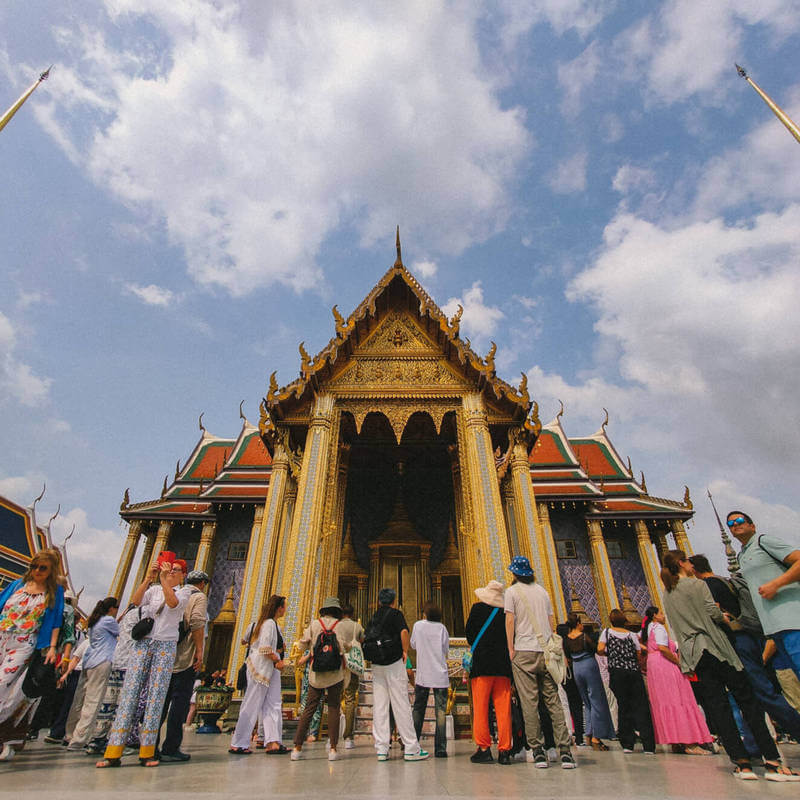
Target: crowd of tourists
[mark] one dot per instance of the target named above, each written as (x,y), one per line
(718,665)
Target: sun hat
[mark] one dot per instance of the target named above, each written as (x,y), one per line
(521,567)
(491,594)
(331,602)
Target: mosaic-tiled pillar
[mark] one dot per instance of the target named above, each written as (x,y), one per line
(492,554)
(681,538)
(465,538)
(125,561)
(144,560)
(362,608)
(557,590)
(162,539)
(207,536)
(298,576)
(539,548)
(249,607)
(604,581)
(649,562)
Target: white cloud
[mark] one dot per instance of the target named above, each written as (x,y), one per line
(22,489)
(581,16)
(630,178)
(289,122)
(17,379)
(426,269)
(578,75)
(152,295)
(570,175)
(479,320)
(92,554)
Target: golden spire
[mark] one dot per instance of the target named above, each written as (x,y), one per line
(6,118)
(399,262)
(776,109)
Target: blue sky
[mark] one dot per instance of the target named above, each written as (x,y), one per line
(198,183)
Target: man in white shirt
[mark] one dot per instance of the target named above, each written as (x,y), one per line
(529,625)
(432,642)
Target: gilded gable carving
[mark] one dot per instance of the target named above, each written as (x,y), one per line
(396,334)
(412,373)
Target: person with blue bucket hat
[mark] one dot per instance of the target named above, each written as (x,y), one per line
(530,623)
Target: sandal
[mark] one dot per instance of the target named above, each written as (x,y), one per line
(149,762)
(277,751)
(240,751)
(695,750)
(744,772)
(780,773)
(599,745)
(109,762)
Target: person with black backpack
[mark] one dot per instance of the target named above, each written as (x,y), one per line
(386,644)
(326,673)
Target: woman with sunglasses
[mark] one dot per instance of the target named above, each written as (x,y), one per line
(707,651)
(31,609)
(151,662)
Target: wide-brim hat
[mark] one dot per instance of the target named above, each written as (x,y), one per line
(331,602)
(521,567)
(491,594)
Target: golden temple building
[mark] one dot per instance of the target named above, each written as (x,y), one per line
(399,458)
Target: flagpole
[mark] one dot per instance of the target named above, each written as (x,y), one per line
(6,118)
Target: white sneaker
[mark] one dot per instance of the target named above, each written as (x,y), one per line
(349,744)
(420,756)
(529,755)
(383,756)
(328,746)
(332,755)
(296,755)
(552,755)
(627,750)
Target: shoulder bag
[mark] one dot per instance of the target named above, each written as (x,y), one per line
(144,624)
(466,659)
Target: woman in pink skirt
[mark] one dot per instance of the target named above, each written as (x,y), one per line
(677,719)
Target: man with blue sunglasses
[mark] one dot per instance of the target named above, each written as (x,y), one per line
(771,568)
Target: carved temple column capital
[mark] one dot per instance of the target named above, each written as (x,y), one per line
(681,538)
(205,548)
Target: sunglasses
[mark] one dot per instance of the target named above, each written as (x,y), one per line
(736,521)
(40,567)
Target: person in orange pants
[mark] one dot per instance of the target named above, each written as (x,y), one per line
(490,674)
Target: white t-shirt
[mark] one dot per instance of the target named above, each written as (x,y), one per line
(658,632)
(165,624)
(619,635)
(431,641)
(79,652)
(522,599)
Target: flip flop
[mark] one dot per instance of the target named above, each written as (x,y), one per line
(108,762)
(278,751)
(240,751)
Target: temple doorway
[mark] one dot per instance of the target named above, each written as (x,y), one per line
(399,517)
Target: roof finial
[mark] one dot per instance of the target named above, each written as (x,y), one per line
(200,422)
(58,511)
(399,262)
(126,500)
(643,483)
(560,410)
(241,413)
(775,108)
(164,487)
(6,118)
(605,421)
(177,469)
(44,488)
(68,537)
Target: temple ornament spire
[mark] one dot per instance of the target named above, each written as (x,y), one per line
(776,109)
(6,118)
(399,261)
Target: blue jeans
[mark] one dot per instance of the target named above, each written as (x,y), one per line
(418,714)
(765,685)
(788,643)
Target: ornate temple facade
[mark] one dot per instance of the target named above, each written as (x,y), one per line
(399,458)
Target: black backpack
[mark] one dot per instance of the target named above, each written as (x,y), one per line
(379,647)
(326,656)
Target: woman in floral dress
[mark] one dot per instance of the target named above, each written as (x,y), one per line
(31,610)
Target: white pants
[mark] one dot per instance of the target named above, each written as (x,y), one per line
(94,682)
(261,704)
(390,685)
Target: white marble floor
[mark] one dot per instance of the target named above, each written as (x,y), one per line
(213,772)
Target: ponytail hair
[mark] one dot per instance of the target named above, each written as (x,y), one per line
(648,618)
(100,610)
(671,570)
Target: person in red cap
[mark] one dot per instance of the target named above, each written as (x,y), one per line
(151,660)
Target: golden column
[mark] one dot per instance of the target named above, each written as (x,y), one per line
(362,610)
(681,539)
(492,554)
(537,544)
(557,593)
(207,535)
(604,580)
(125,560)
(162,539)
(147,554)
(649,561)
(247,597)
(296,583)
